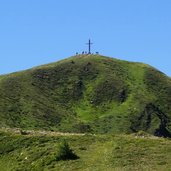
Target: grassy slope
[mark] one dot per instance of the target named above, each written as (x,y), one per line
(88,93)
(96,152)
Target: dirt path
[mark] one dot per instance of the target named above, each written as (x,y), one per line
(38,132)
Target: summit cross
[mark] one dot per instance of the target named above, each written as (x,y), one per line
(89,46)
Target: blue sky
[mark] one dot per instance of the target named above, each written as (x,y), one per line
(35,32)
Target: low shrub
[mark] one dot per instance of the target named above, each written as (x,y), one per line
(65,152)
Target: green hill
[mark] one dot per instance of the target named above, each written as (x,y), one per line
(88,93)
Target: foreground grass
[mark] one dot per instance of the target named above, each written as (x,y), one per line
(36,152)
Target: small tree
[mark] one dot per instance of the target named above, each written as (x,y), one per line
(65,152)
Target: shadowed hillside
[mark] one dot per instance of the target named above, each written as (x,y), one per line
(88,93)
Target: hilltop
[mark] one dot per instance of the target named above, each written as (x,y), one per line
(88,93)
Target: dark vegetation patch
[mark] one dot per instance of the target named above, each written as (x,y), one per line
(151,120)
(109,90)
(160,85)
(67,81)
(65,152)
(82,128)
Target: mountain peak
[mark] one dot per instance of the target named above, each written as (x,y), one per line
(88,93)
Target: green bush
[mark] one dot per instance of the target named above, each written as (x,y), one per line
(65,152)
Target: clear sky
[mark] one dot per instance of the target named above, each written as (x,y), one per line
(35,32)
